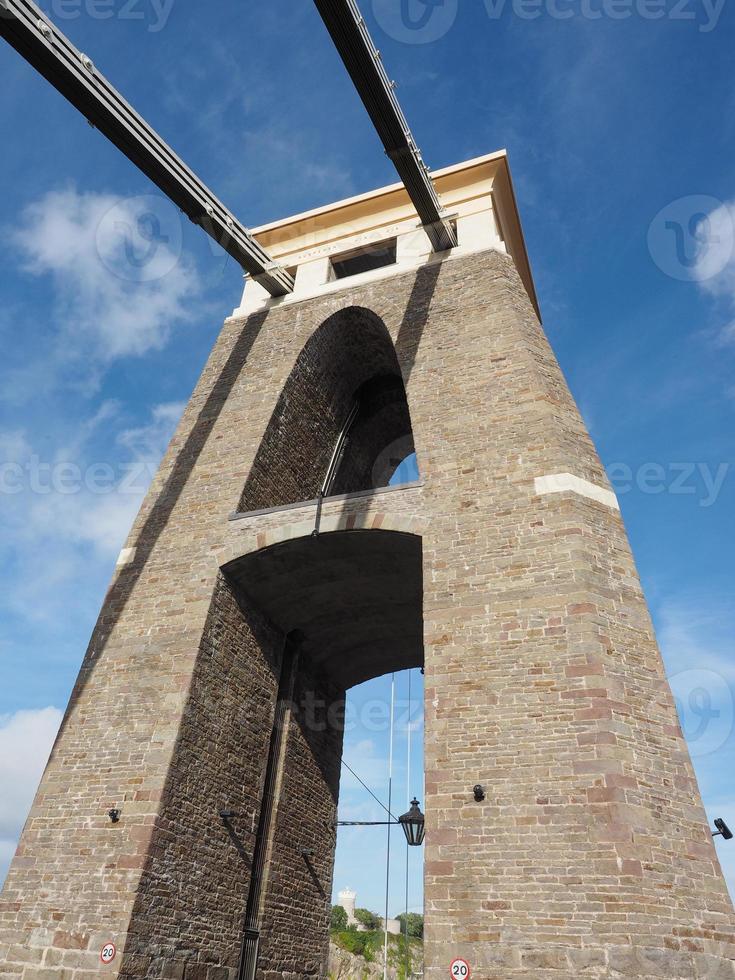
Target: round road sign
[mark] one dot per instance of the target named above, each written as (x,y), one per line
(460,970)
(108,953)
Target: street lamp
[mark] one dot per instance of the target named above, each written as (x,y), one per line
(413,825)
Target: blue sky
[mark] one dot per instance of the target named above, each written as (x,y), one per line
(619,118)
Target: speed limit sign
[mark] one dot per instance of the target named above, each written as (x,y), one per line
(460,970)
(108,953)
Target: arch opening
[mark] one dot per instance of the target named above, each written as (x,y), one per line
(351,603)
(344,400)
(351,600)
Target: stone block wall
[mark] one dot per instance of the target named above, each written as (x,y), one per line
(591,854)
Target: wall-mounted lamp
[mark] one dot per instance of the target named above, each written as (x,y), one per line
(114,815)
(723,830)
(479,792)
(413,824)
(227,815)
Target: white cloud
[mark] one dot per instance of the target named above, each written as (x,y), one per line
(120,278)
(14,447)
(26,739)
(726,336)
(369,764)
(80,510)
(104,519)
(696,632)
(715,266)
(148,442)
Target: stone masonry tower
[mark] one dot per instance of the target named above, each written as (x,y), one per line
(214,678)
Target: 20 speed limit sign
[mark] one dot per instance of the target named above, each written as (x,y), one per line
(108,953)
(460,970)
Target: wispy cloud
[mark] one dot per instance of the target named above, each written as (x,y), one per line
(121,282)
(715,265)
(726,336)
(25,743)
(147,443)
(696,631)
(76,507)
(714,234)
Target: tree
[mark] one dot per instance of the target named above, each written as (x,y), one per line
(370,920)
(414,922)
(339,919)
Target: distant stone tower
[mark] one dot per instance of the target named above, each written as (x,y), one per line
(347,899)
(244,606)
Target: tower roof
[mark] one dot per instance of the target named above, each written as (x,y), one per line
(466,189)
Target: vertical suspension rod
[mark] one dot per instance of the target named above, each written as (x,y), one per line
(390,803)
(363,62)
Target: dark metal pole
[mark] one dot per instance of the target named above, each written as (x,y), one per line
(268,808)
(334,465)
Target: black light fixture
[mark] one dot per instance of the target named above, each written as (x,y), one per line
(413,825)
(479,793)
(723,830)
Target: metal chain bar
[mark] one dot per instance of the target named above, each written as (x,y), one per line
(27,29)
(362,60)
(366,823)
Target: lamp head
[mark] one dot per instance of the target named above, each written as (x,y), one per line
(413,825)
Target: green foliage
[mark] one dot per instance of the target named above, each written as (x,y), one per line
(362,944)
(397,956)
(369,946)
(370,920)
(338,921)
(415,924)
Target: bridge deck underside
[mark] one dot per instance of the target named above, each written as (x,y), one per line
(355,595)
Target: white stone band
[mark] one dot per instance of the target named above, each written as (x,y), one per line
(566,482)
(126,557)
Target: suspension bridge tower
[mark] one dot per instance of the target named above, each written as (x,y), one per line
(184,828)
